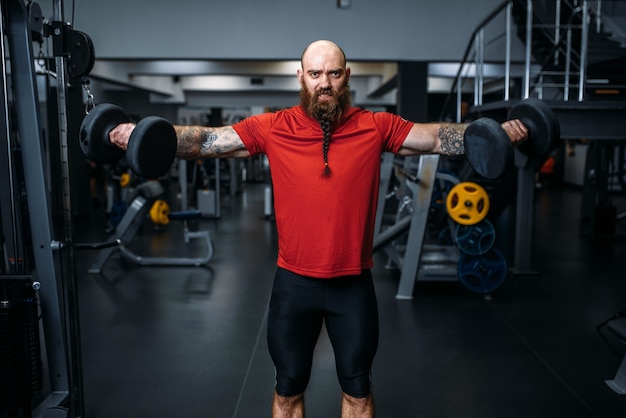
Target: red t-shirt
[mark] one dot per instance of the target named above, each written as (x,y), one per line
(325,224)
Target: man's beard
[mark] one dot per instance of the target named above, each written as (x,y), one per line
(330,110)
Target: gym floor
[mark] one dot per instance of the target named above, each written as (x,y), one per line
(190,342)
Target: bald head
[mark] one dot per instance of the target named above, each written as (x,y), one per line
(323,49)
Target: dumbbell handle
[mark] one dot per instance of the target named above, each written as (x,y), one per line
(516,130)
(120,134)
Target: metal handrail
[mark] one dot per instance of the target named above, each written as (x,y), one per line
(562,44)
(468,49)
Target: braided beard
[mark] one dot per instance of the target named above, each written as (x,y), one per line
(326,112)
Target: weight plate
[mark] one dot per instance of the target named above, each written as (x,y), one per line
(159,212)
(475,239)
(543,126)
(482,273)
(151,147)
(467,203)
(124,180)
(488,148)
(94,133)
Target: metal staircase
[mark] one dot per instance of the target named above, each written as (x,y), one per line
(574,58)
(562,53)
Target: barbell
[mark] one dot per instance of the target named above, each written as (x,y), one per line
(151,147)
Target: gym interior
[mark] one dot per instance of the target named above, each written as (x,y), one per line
(125,293)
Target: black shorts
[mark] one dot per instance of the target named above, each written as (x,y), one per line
(299,306)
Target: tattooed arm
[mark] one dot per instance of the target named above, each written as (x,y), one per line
(194,142)
(447,138)
(202,142)
(433,138)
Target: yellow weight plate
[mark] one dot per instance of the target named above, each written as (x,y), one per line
(467,203)
(124,179)
(159,212)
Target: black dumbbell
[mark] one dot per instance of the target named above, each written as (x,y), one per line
(488,147)
(544,130)
(151,148)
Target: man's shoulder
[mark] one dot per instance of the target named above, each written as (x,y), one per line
(374,114)
(293,110)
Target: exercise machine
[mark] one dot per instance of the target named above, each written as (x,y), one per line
(37,269)
(136,214)
(415,259)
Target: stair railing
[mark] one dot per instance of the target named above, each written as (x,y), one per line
(478,65)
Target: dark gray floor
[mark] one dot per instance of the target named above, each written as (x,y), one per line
(190,342)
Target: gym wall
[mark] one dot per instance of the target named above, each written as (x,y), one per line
(419,30)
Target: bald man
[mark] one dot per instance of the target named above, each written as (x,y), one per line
(324,156)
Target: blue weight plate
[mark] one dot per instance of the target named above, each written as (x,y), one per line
(475,239)
(482,273)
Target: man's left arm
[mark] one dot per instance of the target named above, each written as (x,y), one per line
(447,138)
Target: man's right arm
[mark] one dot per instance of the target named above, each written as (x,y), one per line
(194,142)
(209,142)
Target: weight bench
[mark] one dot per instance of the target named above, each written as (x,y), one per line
(617,325)
(134,217)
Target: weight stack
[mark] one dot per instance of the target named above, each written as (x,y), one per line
(21,374)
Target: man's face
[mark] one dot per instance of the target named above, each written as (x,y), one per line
(324,78)
(325,103)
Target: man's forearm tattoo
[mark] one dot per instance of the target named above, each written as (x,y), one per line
(207,144)
(188,143)
(196,142)
(222,143)
(452,139)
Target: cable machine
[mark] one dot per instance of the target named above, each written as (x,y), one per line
(37,269)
